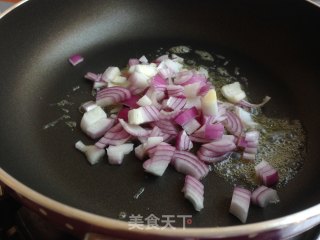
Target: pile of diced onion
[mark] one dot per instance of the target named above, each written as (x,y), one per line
(161,111)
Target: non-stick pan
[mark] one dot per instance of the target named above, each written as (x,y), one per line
(275,43)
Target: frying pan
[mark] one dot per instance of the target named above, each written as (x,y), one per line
(276,43)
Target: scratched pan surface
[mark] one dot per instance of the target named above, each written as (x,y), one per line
(275,44)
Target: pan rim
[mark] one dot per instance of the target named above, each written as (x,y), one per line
(312,215)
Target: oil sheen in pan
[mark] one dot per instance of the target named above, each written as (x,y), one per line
(282,141)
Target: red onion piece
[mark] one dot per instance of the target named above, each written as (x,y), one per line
(144,101)
(133,61)
(186,116)
(93,153)
(209,159)
(244,103)
(264,196)
(165,115)
(143,59)
(249,156)
(76,59)
(161,58)
(115,136)
(159,83)
(240,203)
(143,115)
(160,159)
(112,95)
(140,152)
(213,131)
(205,89)
(116,153)
(110,73)
(99,85)
(134,130)
(93,76)
(166,126)
(99,128)
(189,164)
(157,167)
(196,78)
(193,191)
(87,106)
(162,149)
(175,91)
(131,102)
(183,141)
(176,103)
(191,126)
(252,136)
(182,77)
(233,124)
(123,114)
(216,150)
(266,173)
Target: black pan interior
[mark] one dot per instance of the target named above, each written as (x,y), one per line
(275,43)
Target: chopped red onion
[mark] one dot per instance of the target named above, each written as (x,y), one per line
(189,164)
(144,101)
(216,150)
(115,136)
(159,160)
(159,83)
(131,102)
(175,90)
(116,153)
(161,58)
(87,106)
(138,81)
(143,115)
(143,59)
(240,203)
(193,191)
(252,136)
(233,124)
(112,95)
(157,167)
(93,76)
(92,116)
(183,141)
(186,116)
(191,126)
(166,126)
(176,103)
(110,73)
(93,153)
(209,103)
(264,196)
(149,70)
(123,114)
(134,130)
(266,173)
(249,156)
(100,84)
(133,61)
(169,115)
(244,103)
(140,151)
(76,59)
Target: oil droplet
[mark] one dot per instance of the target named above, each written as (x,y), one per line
(204,55)
(180,49)
(122,215)
(139,192)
